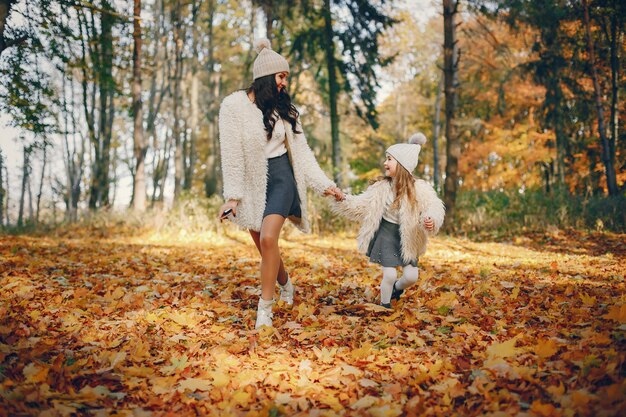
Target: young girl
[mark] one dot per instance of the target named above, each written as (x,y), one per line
(397,213)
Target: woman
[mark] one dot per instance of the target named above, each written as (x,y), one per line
(267,166)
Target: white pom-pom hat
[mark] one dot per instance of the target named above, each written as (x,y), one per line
(268,61)
(407,153)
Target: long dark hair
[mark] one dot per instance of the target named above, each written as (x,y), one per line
(269,101)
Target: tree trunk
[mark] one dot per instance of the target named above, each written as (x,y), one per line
(1,190)
(453,145)
(25,171)
(194,86)
(615,45)
(333,92)
(178,56)
(6,190)
(611,180)
(140,148)
(212,174)
(268,9)
(43,173)
(436,128)
(104,57)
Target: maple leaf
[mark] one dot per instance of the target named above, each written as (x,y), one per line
(617,313)
(545,348)
(505,349)
(178,364)
(364,402)
(544,409)
(194,384)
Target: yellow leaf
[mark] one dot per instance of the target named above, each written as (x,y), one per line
(194,384)
(220,379)
(325,355)
(544,410)
(400,370)
(617,313)
(556,391)
(35,373)
(545,348)
(515,293)
(446,299)
(362,352)
(364,402)
(118,293)
(241,398)
(588,300)
(504,349)
(331,401)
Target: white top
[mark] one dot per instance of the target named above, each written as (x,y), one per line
(389,214)
(276,145)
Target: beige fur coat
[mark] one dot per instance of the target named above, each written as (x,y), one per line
(245,168)
(369,206)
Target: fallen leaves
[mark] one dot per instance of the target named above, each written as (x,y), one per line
(143,329)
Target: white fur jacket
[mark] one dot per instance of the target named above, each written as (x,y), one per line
(368,208)
(244,165)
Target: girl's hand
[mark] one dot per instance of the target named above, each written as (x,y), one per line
(429,224)
(230,204)
(336,192)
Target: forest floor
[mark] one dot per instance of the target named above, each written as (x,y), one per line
(99,322)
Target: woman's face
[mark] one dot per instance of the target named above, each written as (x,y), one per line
(281,81)
(391,166)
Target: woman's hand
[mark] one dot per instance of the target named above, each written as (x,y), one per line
(429,224)
(230,204)
(336,192)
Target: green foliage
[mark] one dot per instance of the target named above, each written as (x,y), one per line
(507,212)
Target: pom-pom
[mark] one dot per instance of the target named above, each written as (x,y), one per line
(417,139)
(261,44)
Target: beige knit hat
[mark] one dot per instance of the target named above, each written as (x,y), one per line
(406,153)
(267,62)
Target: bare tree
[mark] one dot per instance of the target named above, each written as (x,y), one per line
(41,180)
(25,184)
(611,180)
(450,69)
(140,148)
(2,193)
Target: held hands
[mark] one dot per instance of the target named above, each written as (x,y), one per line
(228,208)
(429,224)
(335,192)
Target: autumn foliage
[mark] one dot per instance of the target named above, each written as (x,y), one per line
(114,324)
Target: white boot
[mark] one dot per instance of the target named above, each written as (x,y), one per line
(264,313)
(286,292)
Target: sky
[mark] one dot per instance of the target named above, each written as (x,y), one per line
(11,148)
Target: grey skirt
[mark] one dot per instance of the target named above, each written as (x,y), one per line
(281,196)
(385,247)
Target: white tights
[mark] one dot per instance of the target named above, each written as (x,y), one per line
(409,277)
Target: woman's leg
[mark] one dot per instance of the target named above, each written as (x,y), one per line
(282,274)
(270,253)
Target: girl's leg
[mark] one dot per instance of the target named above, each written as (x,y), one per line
(270,254)
(409,277)
(282,274)
(386,286)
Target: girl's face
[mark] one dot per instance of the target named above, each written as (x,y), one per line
(391,166)
(281,81)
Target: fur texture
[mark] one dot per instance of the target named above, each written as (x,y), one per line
(244,167)
(369,206)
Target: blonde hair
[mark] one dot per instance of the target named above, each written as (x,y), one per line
(404,186)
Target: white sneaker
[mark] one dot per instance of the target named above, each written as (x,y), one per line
(286,292)
(264,313)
